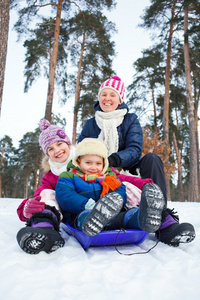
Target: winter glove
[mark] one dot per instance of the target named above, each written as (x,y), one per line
(33,205)
(114,160)
(90,204)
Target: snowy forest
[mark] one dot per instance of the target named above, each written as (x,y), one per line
(70,44)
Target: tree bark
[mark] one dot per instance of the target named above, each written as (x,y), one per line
(4,25)
(53,62)
(178,159)
(196,107)
(77,92)
(154,104)
(193,183)
(166,97)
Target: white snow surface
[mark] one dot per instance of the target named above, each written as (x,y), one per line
(100,273)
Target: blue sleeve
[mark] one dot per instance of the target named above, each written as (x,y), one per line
(130,141)
(67,197)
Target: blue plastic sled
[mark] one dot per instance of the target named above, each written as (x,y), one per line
(107,238)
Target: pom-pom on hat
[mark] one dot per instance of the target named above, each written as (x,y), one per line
(116,84)
(91,146)
(51,134)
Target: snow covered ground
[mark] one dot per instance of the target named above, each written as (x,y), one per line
(70,273)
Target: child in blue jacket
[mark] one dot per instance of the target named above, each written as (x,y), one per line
(92,198)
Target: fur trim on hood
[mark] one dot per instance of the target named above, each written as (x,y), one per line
(45,164)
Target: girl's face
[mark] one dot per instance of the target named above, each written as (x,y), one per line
(91,164)
(109,100)
(58,152)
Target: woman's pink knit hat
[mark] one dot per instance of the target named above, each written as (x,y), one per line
(51,134)
(116,84)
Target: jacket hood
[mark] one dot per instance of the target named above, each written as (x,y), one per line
(121,106)
(45,164)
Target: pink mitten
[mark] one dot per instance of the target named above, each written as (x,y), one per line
(33,205)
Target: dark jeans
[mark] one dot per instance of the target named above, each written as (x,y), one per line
(151,166)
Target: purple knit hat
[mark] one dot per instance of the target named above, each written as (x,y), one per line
(51,134)
(116,84)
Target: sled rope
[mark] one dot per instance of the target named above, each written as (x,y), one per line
(134,253)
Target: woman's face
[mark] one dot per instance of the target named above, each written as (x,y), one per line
(109,100)
(58,151)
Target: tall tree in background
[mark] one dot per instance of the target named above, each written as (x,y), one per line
(167,91)
(31,12)
(147,79)
(153,17)
(92,51)
(4,26)
(168,18)
(29,153)
(53,61)
(194,184)
(7,167)
(195,72)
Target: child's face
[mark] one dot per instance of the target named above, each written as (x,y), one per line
(109,100)
(91,164)
(58,152)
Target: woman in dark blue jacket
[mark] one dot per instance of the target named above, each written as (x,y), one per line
(122,134)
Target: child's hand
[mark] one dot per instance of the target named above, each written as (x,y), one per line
(33,205)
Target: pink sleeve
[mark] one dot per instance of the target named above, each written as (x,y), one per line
(20,211)
(137,181)
(48,181)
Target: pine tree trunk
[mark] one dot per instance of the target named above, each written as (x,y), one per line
(77,92)
(154,105)
(197,140)
(196,107)
(53,62)
(178,159)
(166,97)
(26,188)
(167,80)
(4,27)
(193,184)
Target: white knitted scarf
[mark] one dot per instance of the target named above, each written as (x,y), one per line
(108,123)
(58,168)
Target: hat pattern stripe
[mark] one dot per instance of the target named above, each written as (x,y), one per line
(116,84)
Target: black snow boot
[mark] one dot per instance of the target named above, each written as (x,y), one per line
(41,232)
(102,213)
(173,233)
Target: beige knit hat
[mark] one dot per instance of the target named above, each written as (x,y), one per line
(94,147)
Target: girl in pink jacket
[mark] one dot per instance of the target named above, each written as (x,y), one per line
(42,212)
